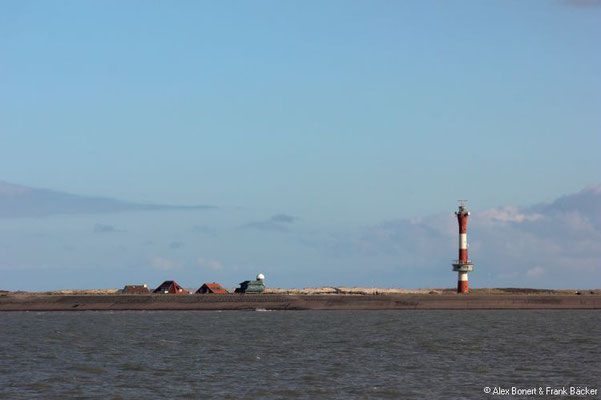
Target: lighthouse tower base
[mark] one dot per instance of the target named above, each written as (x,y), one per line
(462,269)
(462,283)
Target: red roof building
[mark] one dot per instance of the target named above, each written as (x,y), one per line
(214,288)
(135,289)
(170,287)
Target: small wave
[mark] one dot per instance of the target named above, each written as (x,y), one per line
(39,386)
(129,366)
(262,309)
(90,369)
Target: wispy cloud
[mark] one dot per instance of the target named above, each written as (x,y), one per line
(104,228)
(204,229)
(18,201)
(214,265)
(582,3)
(283,219)
(535,272)
(164,264)
(178,244)
(277,223)
(508,214)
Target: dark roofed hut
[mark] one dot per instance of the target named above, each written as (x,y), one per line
(256,286)
(213,288)
(135,289)
(170,287)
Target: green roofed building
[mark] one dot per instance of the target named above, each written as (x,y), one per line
(256,286)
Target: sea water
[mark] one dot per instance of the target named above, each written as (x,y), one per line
(298,354)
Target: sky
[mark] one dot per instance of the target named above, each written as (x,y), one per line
(309,126)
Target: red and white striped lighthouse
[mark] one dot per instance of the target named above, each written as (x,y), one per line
(463,265)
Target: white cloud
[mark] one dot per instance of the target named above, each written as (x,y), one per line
(576,222)
(563,236)
(214,265)
(535,272)
(594,188)
(164,264)
(506,214)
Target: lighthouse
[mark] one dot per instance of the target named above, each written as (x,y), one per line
(463,265)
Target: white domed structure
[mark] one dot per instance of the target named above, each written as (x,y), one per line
(260,277)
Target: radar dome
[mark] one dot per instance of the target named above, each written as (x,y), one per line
(260,277)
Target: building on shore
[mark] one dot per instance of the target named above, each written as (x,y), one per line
(135,289)
(170,287)
(211,288)
(256,286)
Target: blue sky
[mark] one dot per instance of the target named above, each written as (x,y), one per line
(340,114)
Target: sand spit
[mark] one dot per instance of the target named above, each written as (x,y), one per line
(273,301)
(346,290)
(343,290)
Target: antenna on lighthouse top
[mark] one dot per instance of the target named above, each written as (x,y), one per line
(462,202)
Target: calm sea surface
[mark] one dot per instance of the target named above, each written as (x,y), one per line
(296,354)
